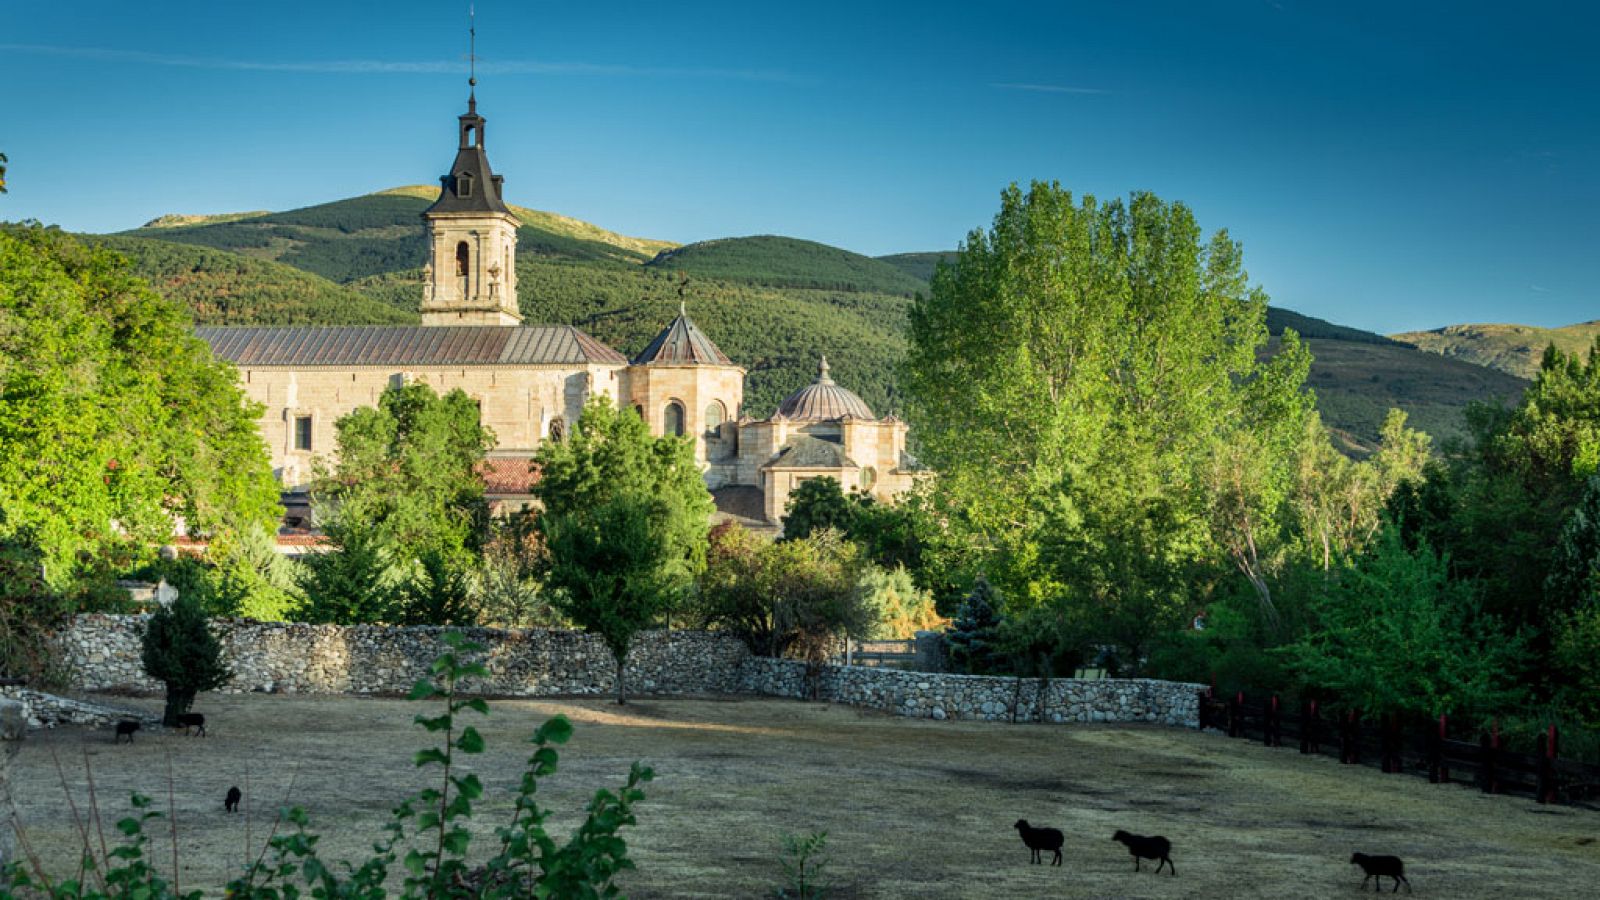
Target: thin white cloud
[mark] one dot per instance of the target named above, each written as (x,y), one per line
(389,67)
(1046,88)
(1538,289)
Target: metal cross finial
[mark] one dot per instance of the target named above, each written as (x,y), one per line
(472,53)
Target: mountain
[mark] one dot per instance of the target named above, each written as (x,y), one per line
(1516,349)
(222,288)
(774,304)
(919,265)
(788,263)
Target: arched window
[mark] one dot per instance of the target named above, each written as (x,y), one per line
(869,477)
(462,255)
(715,413)
(672,419)
(558,429)
(638,410)
(464,184)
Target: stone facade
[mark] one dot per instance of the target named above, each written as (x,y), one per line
(522,405)
(707,398)
(103,652)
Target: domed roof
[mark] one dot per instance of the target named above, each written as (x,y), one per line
(823,400)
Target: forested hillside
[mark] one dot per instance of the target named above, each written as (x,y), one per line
(1516,349)
(774,304)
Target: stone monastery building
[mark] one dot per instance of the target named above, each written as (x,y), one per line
(531,381)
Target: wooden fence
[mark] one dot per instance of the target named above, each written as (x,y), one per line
(899,654)
(1426,749)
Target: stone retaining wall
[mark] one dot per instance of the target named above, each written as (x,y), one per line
(938,696)
(103,652)
(42,710)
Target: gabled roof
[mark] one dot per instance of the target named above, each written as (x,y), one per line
(404,345)
(806,452)
(508,475)
(682,344)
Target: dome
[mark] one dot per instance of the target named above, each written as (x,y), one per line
(823,400)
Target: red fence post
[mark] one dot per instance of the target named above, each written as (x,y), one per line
(1444,735)
(1310,727)
(1547,766)
(1272,725)
(1236,715)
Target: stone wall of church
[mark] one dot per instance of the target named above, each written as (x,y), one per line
(698,389)
(519,402)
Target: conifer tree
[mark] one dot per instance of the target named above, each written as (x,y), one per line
(180,650)
(973,637)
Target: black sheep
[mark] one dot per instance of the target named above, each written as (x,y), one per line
(195,722)
(1379,868)
(1147,848)
(125,728)
(1039,839)
(231,802)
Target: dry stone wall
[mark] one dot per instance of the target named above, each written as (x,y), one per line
(103,652)
(277,657)
(927,695)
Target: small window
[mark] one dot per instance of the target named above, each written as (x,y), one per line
(302,432)
(714,416)
(464,184)
(462,257)
(869,477)
(558,429)
(638,410)
(672,419)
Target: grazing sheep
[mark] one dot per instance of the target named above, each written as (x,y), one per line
(125,728)
(1039,839)
(1147,848)
(195,722)
(1379,868)
(231,802)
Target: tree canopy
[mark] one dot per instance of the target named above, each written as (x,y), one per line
(115,421)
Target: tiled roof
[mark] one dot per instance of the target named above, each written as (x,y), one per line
(807,452)
(682,344)
(508,475)
(403,345)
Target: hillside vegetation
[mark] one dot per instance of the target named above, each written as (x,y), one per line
(1516,349)
(222,288)
(788,262)
(773,304)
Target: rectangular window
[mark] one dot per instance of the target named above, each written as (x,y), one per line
(302,432)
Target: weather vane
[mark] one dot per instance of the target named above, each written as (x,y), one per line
(472,53)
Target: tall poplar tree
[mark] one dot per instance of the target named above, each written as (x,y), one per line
(1078,377)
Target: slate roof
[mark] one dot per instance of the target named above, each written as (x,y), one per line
(682,344)
(807,452)
(470,168)
(823,400)
(414,345)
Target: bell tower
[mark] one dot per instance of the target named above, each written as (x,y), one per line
(471,275)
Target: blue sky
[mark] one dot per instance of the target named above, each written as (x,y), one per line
(1386,165)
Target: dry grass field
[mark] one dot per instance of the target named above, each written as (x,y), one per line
(912,808)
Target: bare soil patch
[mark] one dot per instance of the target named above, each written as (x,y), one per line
(912,808)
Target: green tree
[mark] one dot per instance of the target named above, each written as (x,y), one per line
(438,592)
(407,473)
(351,581)
(1394,633)
(615,570)
(816,504)
(611,455)
(114,418)
(181,651)
(787,598)
(899,609)
(973,638)
(1074,378)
